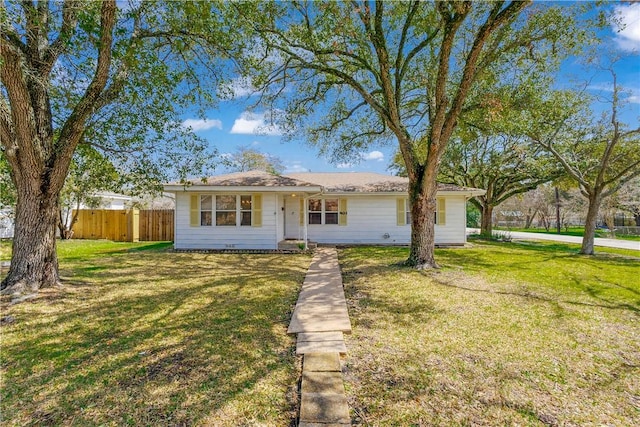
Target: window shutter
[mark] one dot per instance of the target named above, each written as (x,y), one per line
(342,215)
(400,211)
(301,211)
(194,218)
(442,213)
(256,210)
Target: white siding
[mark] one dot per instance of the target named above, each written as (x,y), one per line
(279,217)
(370,218)
(227,237)
(454,230)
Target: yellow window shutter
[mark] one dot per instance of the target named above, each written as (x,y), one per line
(301,211)
(256,210)
(400,212)
(194,218)
(342,214)
(442,212)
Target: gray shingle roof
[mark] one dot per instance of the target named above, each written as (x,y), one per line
(364,182)
(251,179)
(361,182)
(332,182)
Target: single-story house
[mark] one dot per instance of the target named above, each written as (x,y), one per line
(258,210)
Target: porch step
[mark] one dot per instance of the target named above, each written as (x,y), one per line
(295,245)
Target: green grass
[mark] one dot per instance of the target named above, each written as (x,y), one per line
(75,250)
(526,333)
(504,334)
(140,335)
(571,231)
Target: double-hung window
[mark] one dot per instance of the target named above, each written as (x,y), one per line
(206,210)
(245,210)
(315,211)
(324,211)
(226,208)
(331,211)
(223,210)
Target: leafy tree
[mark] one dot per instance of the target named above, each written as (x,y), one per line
(7,189)
(600,153)
(628,199)
(75,71)
(246,159)
(503,165)
(89,173)
(473,215)
(357,73)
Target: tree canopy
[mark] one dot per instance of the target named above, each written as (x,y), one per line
(245,159)
(599,152)
(351,74)
(113,76)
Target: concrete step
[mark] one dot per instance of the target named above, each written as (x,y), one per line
(321,342)
(295,245)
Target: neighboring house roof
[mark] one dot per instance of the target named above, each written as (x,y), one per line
(110,195)
(330,182)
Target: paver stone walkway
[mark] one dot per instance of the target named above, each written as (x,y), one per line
(320,319)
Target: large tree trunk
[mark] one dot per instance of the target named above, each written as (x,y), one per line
(34,263)
(422,198)
(486,223)
(590,225)
(38,157)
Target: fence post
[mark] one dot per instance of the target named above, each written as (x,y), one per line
(134,221)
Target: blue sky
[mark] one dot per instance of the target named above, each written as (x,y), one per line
(230,125)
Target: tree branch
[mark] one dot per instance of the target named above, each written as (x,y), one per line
(69,22)
(73,128)
(22,115)
(496,19)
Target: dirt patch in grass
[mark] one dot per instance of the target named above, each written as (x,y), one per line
(155,338)
(480,343)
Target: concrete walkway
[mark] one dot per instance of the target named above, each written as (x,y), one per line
(320,319)
(598,241)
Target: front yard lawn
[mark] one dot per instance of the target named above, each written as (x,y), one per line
(523,333)
(504,334)
(140,335)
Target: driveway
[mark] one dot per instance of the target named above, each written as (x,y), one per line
(599,241)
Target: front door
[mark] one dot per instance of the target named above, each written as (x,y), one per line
(292,229)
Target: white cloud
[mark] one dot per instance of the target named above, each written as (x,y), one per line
(295,167)
(374,155)
(344,165)
(240,87)
(630,95)
(202,124)
(254,124)
(626,25)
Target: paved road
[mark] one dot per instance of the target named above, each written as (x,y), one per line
(599,241)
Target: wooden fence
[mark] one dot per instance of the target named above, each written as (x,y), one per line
(124,225)
(156,225)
